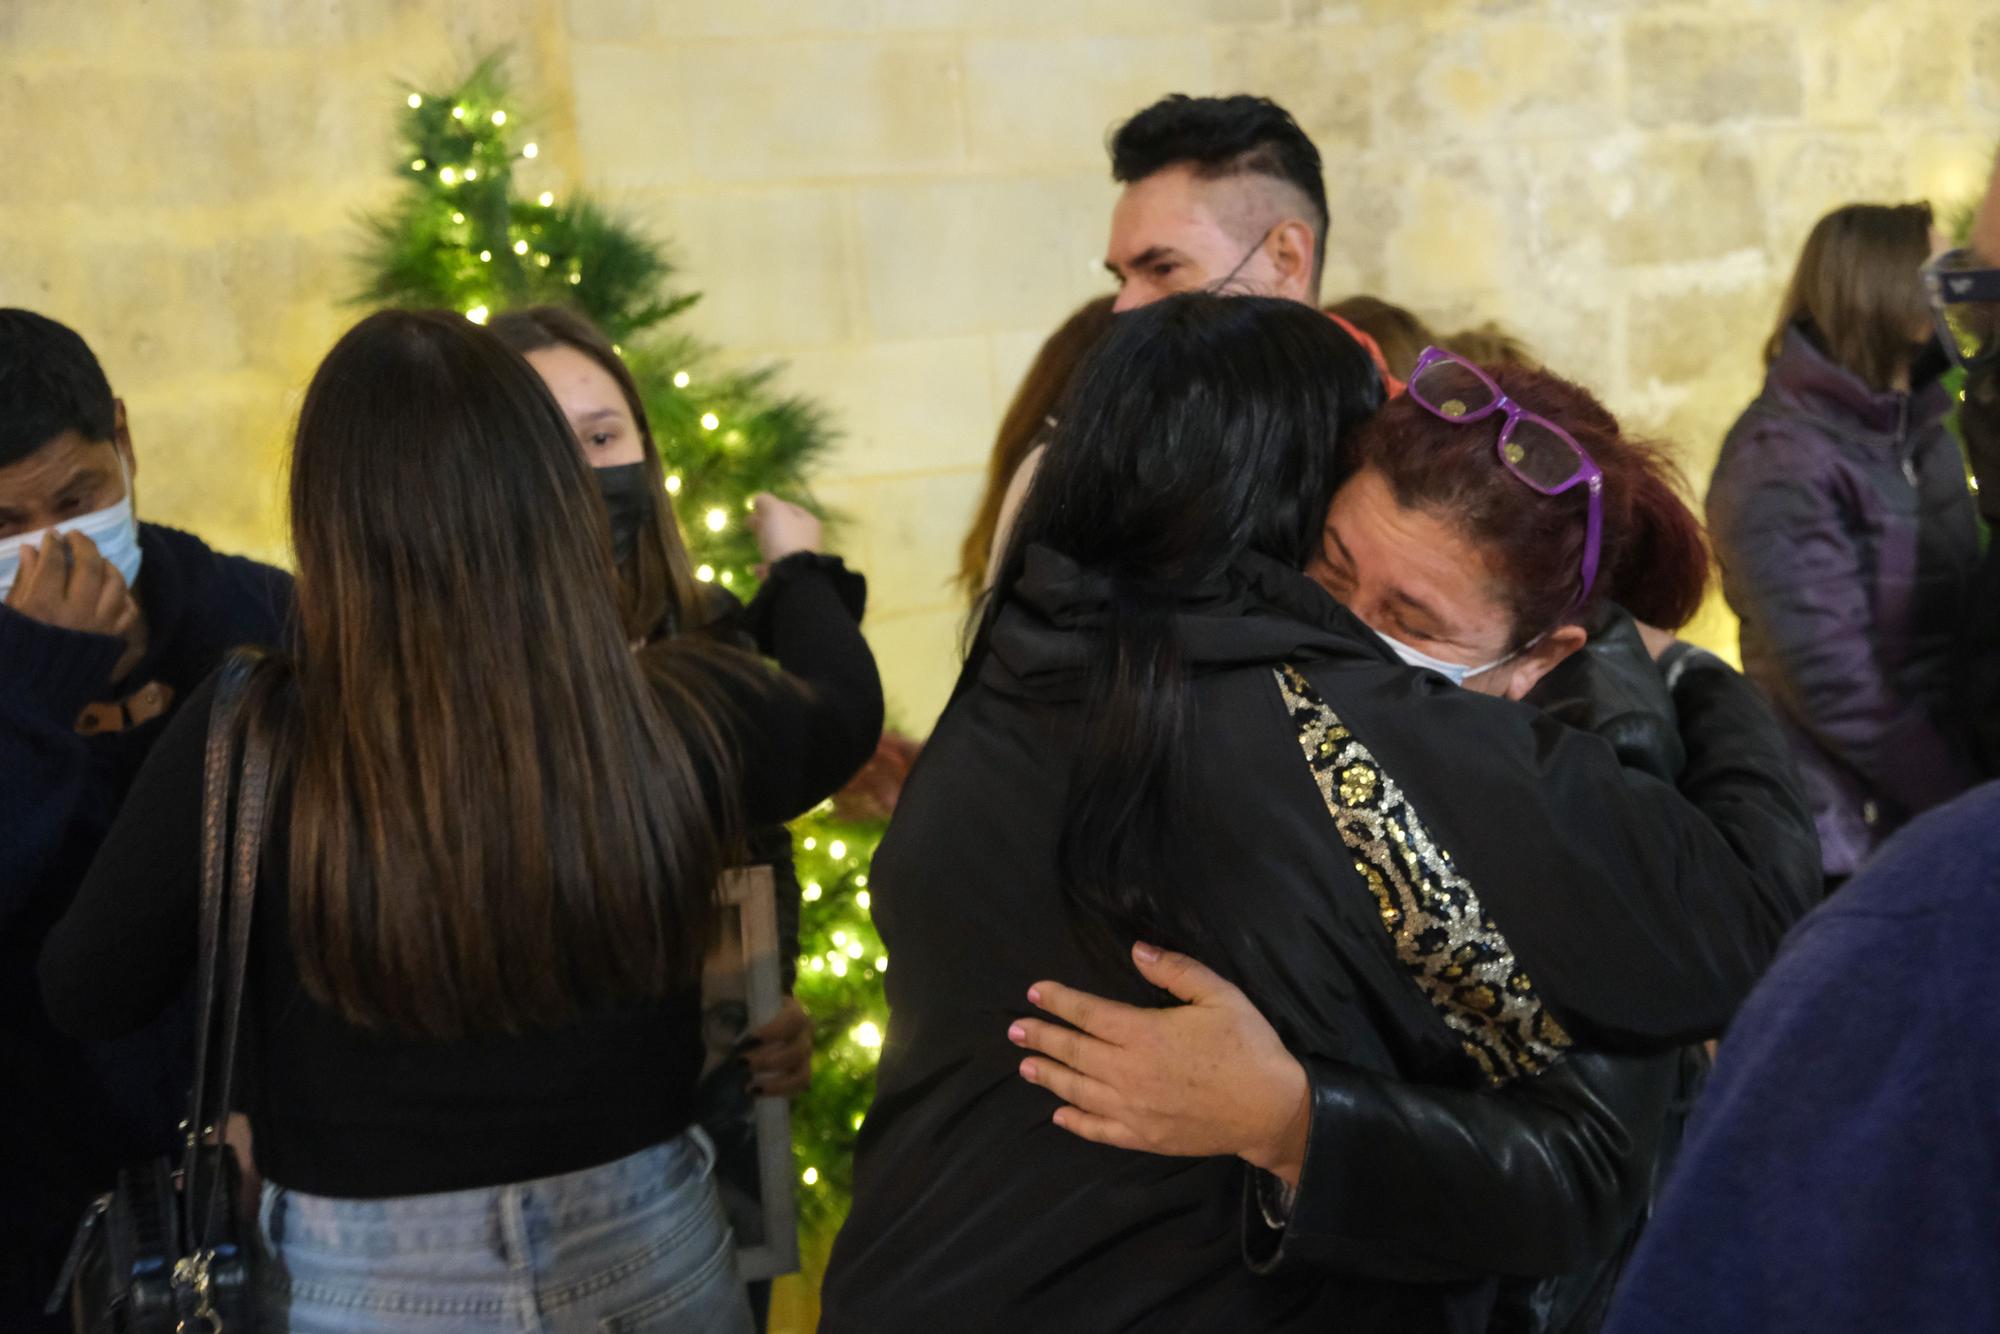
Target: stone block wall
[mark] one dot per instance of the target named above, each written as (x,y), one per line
(899,198)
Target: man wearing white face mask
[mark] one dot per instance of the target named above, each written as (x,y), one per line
(106,623)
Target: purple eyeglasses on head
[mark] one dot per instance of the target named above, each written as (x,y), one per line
(1533,448)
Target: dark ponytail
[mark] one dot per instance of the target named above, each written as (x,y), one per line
(1202,428)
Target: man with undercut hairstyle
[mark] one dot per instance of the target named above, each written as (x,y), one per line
(106,625)
(1221,193)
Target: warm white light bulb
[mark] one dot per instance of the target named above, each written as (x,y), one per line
(853,949)
(836,849)
(575,278)
(418,165)
(682,379)
(706,574)
(520,247)
(881,963)
(447,175)
(472,173)
(542,260)
(839,965)
(530,150)
(548,199)
(416,100)
(499,118)
(478,314)
(810,1176)
(458,217)
(862,900)
(812,892)
(717,520)
(486,257)
(458,113)
(867,1035)
(673,484)
(709,421)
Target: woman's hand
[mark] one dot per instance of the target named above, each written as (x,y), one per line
(1199,1080)
(780,1056)
(782,528)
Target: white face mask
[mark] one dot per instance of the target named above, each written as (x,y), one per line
(114,529)
(1455,672)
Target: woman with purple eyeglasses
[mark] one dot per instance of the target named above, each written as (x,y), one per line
(1168,735)
(1500,530)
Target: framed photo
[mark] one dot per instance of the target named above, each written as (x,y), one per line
(742,987)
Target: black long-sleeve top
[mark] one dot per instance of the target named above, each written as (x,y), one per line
(344,1111)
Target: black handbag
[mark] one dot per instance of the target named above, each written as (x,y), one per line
(167,1250)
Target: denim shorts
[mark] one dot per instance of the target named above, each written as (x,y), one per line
(637,1246)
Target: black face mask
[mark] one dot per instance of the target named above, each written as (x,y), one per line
(627,497)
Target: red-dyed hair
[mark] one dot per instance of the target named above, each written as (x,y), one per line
(1655,559)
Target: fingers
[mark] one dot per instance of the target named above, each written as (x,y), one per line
(776,1057)
(786,1075)
(788,1023)
(1095,1015)
(25,578)
(783,1086)
(1180,976)
(1097,1129)
(1079,1051)
(1090,1095)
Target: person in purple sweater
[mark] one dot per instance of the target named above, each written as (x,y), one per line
(1843,1165)
(1846,534)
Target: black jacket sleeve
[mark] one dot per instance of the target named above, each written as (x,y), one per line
(1421,1183)
(1740,775)
(799,736)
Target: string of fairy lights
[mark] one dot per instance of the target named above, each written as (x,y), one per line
(465,238)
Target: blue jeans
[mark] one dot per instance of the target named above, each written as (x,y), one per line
(638,1246)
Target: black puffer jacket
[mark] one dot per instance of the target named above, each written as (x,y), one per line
(1846,538)
(1357,833)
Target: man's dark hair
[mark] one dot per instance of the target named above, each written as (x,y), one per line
(50,383)
(1224,136)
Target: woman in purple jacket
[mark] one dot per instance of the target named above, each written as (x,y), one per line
(1845,530)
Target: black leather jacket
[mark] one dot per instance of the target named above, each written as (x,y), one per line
(1551,1175)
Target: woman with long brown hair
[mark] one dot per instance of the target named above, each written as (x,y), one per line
(474,1025)
(663,597)
(1023,428)
(1846,532)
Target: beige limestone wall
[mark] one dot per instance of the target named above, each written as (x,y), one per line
(179,180)
(901,197)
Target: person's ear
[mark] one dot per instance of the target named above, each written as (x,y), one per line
(1526,671)
(1292,251)
(121,436)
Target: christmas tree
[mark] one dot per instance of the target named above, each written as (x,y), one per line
(466,234)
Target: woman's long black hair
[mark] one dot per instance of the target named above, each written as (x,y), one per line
(1201,428)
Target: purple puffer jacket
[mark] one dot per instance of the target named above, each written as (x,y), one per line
(1846,534)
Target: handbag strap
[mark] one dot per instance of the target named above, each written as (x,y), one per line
(228,891)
